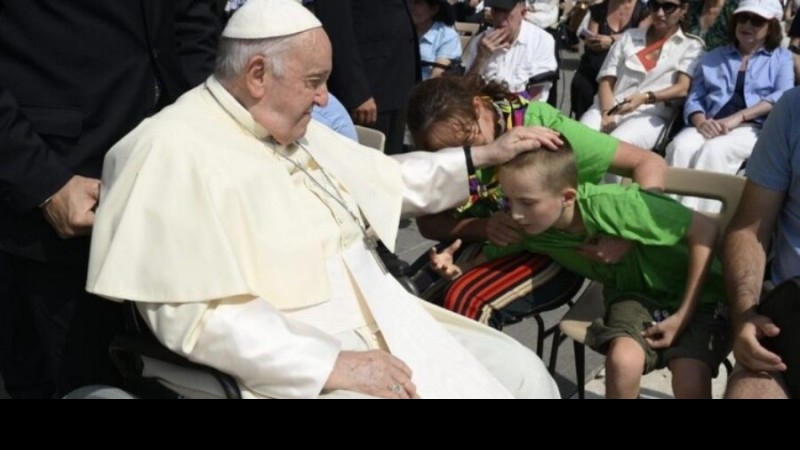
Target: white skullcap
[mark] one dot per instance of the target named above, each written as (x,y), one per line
(263,19)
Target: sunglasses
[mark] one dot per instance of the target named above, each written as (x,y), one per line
(754,19)
(667,7)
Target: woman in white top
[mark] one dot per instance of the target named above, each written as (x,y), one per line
(645,76)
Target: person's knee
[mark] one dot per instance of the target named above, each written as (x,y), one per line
(746,384)
(681,150)
(691,378)
(625,356)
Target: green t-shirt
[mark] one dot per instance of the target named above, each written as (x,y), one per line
(594,152)
(655,269)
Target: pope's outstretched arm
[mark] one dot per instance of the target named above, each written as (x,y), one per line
(437,181)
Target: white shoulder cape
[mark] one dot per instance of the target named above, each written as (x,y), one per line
(196,207)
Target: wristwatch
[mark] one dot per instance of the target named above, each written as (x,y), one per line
(794,49)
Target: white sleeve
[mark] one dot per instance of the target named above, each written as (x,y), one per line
(546,53)
(614,59)
(433,181)
(250,340)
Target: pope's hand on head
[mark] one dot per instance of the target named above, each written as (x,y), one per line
(514,142)
(375,373)
(367,113)
(70,211)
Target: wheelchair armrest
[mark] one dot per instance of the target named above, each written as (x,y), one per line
(128,349)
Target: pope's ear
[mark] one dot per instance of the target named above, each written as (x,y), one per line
(256,76)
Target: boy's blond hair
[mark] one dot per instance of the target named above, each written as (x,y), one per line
(555,170)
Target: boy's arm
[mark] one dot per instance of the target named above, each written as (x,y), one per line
(700,238)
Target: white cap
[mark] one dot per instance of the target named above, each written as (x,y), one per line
(768,9)
(263,19)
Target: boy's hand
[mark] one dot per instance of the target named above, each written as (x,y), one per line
(664,334)
(502,230)
(605,249)
(442,263)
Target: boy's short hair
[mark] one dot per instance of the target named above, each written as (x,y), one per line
(556,170)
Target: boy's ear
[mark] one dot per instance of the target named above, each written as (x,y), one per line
(569,196)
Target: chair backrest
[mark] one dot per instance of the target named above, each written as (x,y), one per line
(467,28)
(465,41)
(371,138)
(711,185)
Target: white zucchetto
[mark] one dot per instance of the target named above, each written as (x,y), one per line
(264,19)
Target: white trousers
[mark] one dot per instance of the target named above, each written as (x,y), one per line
(514,365)
(638,128)
(724,154)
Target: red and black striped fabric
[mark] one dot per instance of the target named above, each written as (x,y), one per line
(507,290)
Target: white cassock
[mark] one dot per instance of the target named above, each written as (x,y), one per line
(247,256)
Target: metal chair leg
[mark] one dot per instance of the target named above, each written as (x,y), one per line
(540,334)
(580,368)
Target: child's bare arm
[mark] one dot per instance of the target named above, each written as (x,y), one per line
(701,238)
(444,264)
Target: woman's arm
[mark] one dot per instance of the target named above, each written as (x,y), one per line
(694,108)
(677,91)
(761,109)
(438,71)
(605,93)
(443,227)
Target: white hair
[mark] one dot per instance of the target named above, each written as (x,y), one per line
(234,54)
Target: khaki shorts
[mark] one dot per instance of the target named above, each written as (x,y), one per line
(707,338)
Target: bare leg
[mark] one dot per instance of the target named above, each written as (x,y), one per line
(691,378)
(624,366)
(745,384)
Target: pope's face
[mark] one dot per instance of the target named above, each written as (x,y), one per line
(285,109)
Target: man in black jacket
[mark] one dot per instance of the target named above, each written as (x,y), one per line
(375,61)
(75,77)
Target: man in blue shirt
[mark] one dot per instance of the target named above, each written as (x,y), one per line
(771,197)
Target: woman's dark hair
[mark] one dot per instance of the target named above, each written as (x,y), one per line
(448,100)
(774,34)
(446,14)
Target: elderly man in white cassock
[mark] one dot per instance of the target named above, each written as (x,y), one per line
(243,231)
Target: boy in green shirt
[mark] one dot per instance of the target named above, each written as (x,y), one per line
(664,299)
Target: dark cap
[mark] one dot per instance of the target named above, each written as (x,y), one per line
(502,4)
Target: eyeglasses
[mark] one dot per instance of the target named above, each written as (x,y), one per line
(754,19)
(667,7)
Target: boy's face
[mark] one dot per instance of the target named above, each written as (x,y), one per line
(533,206)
